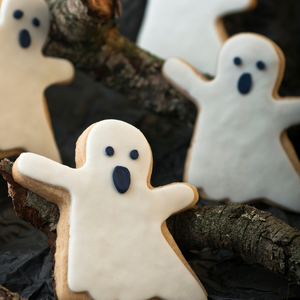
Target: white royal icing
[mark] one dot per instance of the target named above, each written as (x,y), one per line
(236,151)
(24,75)
(189,29)
(116,247)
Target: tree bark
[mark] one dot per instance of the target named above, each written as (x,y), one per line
(5,294)
(237,228)
(95,46)
(242,229)
(30,207)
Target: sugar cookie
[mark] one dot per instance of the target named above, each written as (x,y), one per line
(25,73)
(239,148)
(117,245)
(191,29)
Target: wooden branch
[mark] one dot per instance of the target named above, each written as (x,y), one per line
(237,228)
(95,46)
(30,207)
(103,9)
(242,229)
(5,294)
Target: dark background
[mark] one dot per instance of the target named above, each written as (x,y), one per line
(25,259)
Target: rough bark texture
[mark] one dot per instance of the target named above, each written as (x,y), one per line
(243,229)
(237,228)
(30,207)
(5,294)
(95,46)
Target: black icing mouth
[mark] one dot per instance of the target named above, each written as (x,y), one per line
(245,83)
(121,178)
(24,38)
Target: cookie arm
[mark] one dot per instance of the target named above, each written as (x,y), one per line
(174,198)
(184,78)
(41,169)
(58,71)
(289,112)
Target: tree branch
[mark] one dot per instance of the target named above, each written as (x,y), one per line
(30,207)
(5,294)
(95,46)
(242,229)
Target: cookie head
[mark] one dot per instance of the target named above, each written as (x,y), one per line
(121,152)
(25,24)
(249,63)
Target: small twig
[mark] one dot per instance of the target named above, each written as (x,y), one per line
(5,294)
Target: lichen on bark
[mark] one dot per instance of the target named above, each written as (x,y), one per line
(48,211)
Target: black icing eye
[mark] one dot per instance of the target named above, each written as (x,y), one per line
(260,65)
(109,151)
(18,14)
(36,22)
(134,154)
(237,61)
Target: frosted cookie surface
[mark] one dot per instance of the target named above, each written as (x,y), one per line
(119,246)
(189,29)
(25,73)
(239,150)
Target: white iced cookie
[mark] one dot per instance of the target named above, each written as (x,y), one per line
(239,149)
(24,75)
(190,29)
(117,245)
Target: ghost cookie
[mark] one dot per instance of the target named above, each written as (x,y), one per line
(240,150)
(113,242)
(25,73)
(191,29)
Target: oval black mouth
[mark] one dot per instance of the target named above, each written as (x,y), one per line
(121,178)
(24,38)
(245,83)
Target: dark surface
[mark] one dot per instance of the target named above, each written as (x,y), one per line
(132,17)
(25,260)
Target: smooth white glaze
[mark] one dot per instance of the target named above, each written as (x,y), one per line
(236,151)
(187,29)
(117,249)
(24,75)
